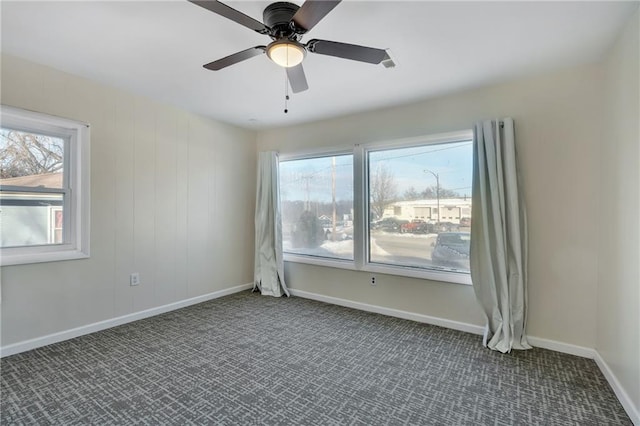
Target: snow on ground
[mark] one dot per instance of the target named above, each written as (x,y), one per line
(336,249)
(344,247)
(340,249)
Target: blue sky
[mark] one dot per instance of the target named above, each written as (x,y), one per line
(313,177)
(451,162)
(315,174)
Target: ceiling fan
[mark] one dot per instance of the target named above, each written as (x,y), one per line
(286,23)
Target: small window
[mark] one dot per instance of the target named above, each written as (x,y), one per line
(317,206)
(44,188)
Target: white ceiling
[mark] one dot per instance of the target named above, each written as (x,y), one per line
(157,49)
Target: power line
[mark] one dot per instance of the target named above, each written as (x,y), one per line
(459,145)
(309,175)
(462,145)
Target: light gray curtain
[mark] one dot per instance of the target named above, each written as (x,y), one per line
(499,236)
(269,264)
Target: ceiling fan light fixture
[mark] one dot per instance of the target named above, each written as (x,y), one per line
(286,53)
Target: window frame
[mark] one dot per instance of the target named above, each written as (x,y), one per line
(75,188)
(307,258)
(361,237)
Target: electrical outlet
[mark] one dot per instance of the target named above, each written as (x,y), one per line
(373,280)
(134,279)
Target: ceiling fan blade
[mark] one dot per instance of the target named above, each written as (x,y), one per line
(233,14)
(235,58)
(297,79)
(311,12)
(347,51)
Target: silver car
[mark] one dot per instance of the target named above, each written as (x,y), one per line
(451,250)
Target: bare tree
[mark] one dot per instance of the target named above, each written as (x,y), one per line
(411,194)
(431,192)
(382,189)
(24,154)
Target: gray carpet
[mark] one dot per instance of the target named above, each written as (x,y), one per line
(248,359)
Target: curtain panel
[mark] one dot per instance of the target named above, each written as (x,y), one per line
(269,263)
(499,236)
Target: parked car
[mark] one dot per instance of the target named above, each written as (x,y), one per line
(446,227)
(416,226)
(465,221)
(451,249)
(389,224)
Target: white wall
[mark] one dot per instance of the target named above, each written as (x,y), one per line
(557,119)
(172,198)
(618,328)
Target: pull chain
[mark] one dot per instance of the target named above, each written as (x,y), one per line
(286,92)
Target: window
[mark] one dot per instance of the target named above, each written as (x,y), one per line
(317,206)
(401,207)
(404,184)
(44,188)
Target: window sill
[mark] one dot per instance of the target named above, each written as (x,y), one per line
(320,261)
(431,275)
(423,274)
(23,257)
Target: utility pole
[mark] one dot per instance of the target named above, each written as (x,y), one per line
(437,189)
(307,178)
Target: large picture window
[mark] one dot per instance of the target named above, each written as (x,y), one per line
(317,206)
(398,207)
(420,206)
(43,187)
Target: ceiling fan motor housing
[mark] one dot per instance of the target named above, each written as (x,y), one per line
(277,16)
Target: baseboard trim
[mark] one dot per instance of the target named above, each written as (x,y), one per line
(632,411)
(565,348)
(38,342)
(455,325)
(426,319)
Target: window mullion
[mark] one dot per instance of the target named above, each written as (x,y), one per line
(360,221)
